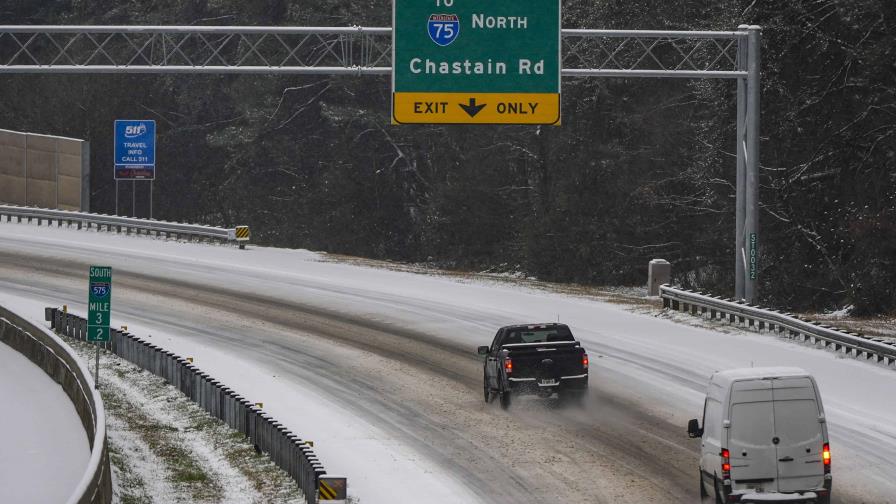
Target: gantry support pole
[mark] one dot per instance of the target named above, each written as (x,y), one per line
(740,209)
(751,218)
(746,247)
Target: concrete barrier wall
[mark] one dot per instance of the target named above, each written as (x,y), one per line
(58,360)
(44,171)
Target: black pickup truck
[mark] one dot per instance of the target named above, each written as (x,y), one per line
(534,359)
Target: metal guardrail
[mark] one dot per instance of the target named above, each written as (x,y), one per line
(801,329)
(292,454)
(114,222)
(58,360)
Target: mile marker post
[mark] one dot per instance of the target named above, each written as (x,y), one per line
(99,306)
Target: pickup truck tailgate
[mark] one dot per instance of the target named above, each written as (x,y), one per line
(551,360)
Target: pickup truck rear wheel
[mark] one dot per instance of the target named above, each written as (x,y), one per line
(505,399)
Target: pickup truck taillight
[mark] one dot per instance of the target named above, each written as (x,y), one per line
(585,361)
(508,365)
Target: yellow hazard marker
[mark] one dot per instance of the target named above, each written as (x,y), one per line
(332,488)
(241,235)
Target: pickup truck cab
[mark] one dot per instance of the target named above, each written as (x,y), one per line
(764,438)
(540,359)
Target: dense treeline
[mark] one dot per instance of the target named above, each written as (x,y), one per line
(639,169)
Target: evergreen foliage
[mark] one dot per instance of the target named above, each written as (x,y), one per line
(640,168)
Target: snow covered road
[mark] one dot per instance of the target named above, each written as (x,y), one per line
(392,353)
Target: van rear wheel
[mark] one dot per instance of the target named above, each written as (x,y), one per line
(720,499)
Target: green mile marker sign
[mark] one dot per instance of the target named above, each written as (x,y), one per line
(99,303)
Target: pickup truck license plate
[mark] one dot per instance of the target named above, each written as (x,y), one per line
(547,383)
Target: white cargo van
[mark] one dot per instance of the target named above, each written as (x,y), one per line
(764,438)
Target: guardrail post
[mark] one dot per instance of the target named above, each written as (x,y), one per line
(292,446)
(252,424)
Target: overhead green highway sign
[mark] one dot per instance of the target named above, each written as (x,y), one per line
(473,62)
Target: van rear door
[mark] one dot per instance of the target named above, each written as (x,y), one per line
(750,437)
(800,435)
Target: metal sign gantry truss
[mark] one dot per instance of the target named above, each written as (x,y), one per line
(368,51)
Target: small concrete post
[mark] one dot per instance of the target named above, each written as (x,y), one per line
(659,272)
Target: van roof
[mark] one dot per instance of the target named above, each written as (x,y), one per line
(721,382)
(758,373)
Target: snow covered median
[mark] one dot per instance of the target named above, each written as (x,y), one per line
(166,449)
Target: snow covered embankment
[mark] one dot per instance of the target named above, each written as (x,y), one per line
(166,449)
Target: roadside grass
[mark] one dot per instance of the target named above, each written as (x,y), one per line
(164,441)
(875,326)
(266,478)
(189,452)
(132,488)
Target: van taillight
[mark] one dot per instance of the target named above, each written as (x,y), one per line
(826,457)
(585,361)
(508,365)
(726,464)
